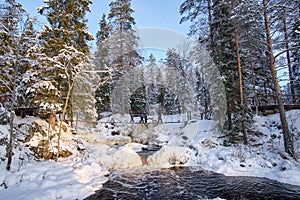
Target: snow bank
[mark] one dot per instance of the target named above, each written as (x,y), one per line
(50,180)
(264,157)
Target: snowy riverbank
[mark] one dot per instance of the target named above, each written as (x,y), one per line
(105,147)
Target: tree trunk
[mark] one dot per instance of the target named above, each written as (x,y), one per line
(229,119)
(240,79)
(288,142)
(288,57)
(206,96)
(210,27)
(71,85)
(122,69)
(11,122)
(254,83)
(11,134)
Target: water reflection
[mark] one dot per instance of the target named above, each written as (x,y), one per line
(191,183)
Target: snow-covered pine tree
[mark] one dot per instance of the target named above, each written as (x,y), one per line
(226,60)
(27,42)
(202,95)
(295,49)
(250,27)
(242,101)
(295,34)
(178,81)
(138,99)
(67,25)
(159,77)
(284,15)
(42,90)
(123,44)
(288,140)
(83,96)
(67,28)
(151,70)
(151,84)
(102,64)
(16,39)
(171,63)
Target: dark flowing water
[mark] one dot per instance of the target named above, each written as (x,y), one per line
(191,183)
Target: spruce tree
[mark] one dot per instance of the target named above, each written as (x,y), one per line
(67,25)
(67,29)
(226,60)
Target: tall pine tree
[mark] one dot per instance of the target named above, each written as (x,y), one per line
(123,44)
(102,64)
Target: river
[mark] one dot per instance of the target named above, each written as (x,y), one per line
(190,183)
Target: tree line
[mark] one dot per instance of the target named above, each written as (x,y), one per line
(249,40)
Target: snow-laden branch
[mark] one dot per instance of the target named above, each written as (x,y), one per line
(6,85)
(284,51)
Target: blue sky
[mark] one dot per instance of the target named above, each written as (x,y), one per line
(162,14)
(148,13)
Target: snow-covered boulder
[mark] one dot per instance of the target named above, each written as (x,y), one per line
(99,149)
(106,161)
(118,140)
(122,158)
(168,156)
(125,157)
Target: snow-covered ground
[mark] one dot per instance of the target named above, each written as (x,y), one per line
(104,147)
